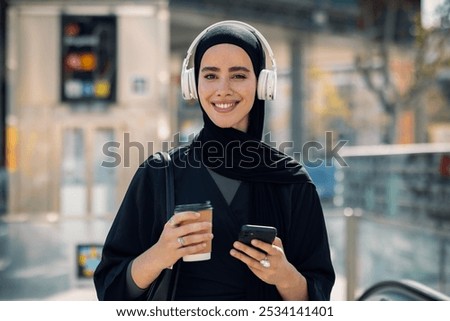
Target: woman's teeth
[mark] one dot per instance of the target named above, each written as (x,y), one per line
(224,106)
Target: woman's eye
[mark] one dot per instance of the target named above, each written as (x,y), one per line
(239,76)
(210,76)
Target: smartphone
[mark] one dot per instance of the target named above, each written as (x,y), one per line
(263,233)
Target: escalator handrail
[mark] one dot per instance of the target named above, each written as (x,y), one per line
(415,291)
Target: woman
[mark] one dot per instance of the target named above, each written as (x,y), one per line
(246,181)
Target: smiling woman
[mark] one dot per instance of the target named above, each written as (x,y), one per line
(245,180)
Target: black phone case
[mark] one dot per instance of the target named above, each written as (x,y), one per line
(263,233)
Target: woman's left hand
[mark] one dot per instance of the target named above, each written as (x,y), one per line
(272,268)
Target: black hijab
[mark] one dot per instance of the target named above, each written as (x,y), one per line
(242,155)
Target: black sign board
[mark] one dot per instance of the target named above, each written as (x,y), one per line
(88,58)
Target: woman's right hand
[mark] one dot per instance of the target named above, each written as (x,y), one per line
(181,236)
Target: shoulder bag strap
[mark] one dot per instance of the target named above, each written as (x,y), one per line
(169,285)
(170,189)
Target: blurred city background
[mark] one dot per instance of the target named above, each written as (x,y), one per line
(89,89)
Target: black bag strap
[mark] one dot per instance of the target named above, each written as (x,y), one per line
(164,287)
(170,189)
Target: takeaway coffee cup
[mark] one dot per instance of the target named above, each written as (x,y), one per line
(205,210)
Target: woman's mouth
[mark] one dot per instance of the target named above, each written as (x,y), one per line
(224,107)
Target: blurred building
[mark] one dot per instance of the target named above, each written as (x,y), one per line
(87,89)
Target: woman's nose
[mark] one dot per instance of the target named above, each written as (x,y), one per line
(224,88)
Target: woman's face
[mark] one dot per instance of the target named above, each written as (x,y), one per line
(227,86)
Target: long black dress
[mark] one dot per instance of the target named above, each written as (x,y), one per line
(141,217)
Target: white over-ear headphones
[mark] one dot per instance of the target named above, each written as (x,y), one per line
(267,80)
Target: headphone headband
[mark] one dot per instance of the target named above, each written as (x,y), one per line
(258,34)
(267,79)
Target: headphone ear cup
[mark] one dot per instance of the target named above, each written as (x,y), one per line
(271,85)
(267,82)
(192,84)
(188,89)
(185,84)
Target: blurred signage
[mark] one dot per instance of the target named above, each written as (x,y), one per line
(88,257)
(88,62)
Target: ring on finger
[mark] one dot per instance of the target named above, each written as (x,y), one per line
(265,262)
(180,240)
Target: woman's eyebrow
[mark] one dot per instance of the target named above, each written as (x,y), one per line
(238,68)
(207,68)
(231,69)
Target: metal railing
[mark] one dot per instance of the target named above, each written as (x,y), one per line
(403,290)
(368,249)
